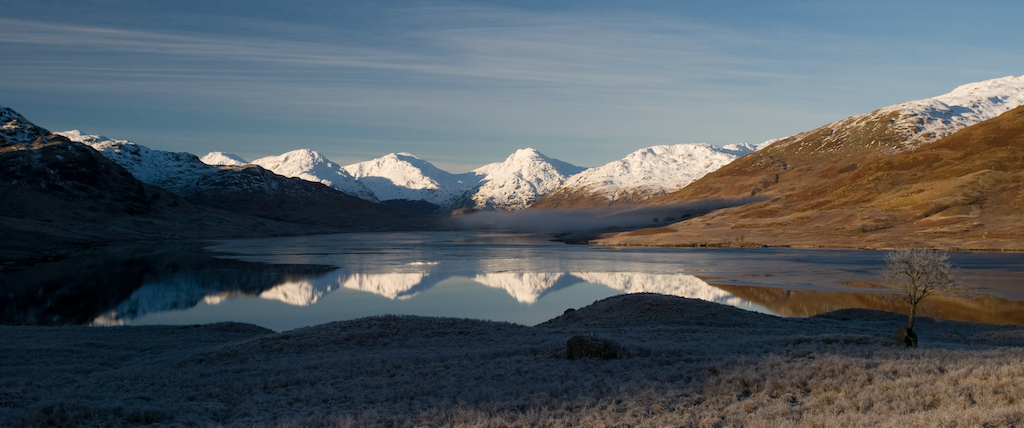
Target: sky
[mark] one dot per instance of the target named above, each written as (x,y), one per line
(462,84)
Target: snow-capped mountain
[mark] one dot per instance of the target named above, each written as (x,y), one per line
(509,185)
(642,174)
(248,189)
(221,158)
(15,129)
(927,120)
(909,125)
(175,172)
(518,181)
(402,176)
(312,166)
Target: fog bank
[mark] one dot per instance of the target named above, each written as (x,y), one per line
(593,219)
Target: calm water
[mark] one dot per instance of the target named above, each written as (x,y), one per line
(285,283)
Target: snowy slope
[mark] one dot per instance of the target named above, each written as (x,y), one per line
(221,158)
(522,178)
(176,172)
(914,123)
(652,171)
(933,118)
(404,176)
(16,130)
(311,166)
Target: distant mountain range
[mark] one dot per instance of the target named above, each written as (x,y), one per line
(940,172)
(526,178)
(877,179)
(404,180)
(65,190)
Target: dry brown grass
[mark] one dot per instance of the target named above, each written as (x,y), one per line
(965,191)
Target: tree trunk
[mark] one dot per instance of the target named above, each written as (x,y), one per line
(910,317)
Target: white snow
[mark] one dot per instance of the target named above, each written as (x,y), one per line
(522,178)
(221,158)
(674,285)
(404,176)
(295,293)
(654,170)
(312,166)
(16,129)
(175,172)
(767,143)
(933,118)
(525,287)
(924,121)
(390,285)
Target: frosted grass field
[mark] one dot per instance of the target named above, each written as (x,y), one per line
(684,363)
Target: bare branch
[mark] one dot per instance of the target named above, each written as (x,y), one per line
(918,273)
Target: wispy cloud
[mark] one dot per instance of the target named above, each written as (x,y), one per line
(595,82)
(594,51)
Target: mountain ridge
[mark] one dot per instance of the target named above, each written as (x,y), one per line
(312,166)
(641,175)
(876,180)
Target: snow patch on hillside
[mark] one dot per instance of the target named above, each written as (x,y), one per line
(522,178)
(312,166)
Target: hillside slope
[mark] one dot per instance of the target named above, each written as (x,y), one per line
(795,163)
(872,188)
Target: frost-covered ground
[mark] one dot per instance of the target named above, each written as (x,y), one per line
(685,363)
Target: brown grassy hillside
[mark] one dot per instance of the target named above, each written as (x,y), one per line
(857,186)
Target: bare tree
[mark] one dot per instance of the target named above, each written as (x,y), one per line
(916,274)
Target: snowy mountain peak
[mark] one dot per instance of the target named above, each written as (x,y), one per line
(221,158)
(643,174)
(522,178)
(176,172)
(528,153)
(930,119)
(312,166)
(911,124)
(15,129)
(402,176)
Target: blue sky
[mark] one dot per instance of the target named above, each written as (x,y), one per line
(462,84)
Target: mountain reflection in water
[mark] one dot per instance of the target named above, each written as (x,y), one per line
(284,283)
(133,280)
(525,288)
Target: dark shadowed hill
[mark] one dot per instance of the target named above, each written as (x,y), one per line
(58,195)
